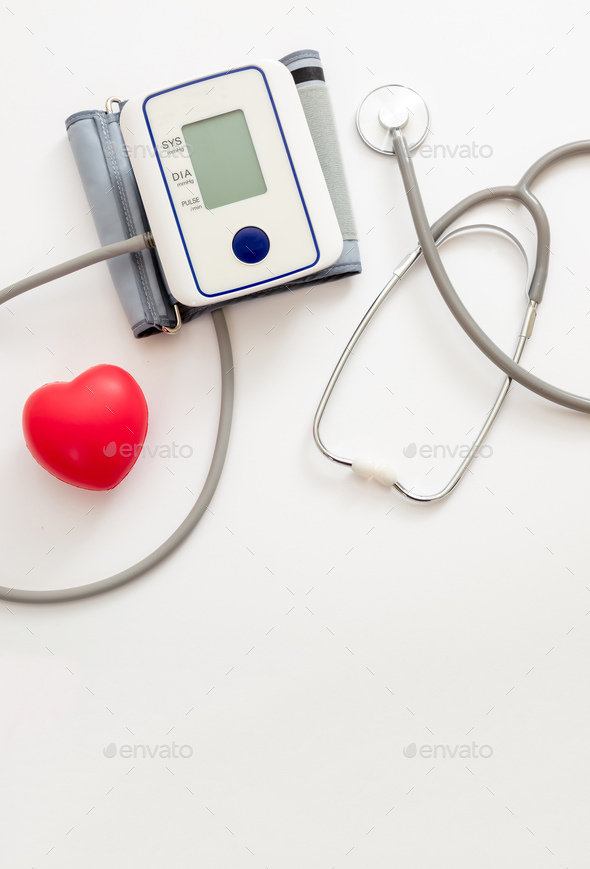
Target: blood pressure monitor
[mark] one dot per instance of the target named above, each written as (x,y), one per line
(232,186)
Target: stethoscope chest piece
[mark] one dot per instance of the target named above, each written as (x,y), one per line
(392,105)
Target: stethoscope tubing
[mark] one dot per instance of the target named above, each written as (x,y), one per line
(427,240)
(430,239)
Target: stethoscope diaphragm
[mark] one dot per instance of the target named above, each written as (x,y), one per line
(392,105)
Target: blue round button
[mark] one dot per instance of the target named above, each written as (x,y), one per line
(250,244)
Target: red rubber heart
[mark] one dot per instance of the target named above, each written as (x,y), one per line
(88,432)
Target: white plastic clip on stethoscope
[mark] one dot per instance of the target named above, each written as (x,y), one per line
(394,120)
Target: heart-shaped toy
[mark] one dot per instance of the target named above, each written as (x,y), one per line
(88,432)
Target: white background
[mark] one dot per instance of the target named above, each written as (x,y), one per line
(314,624)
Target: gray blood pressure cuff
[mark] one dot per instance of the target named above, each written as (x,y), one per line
(109,182)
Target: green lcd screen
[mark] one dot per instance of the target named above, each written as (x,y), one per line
(224,159)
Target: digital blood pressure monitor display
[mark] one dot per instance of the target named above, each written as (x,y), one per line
(231,183)
(223,157)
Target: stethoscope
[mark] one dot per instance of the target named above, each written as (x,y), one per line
(394,120)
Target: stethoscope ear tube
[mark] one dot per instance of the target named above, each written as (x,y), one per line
(383,472)
(454,303)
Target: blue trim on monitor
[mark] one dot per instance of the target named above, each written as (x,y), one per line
(258,283)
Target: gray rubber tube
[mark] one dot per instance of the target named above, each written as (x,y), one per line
(80,592)
(109,251)
(443,282)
